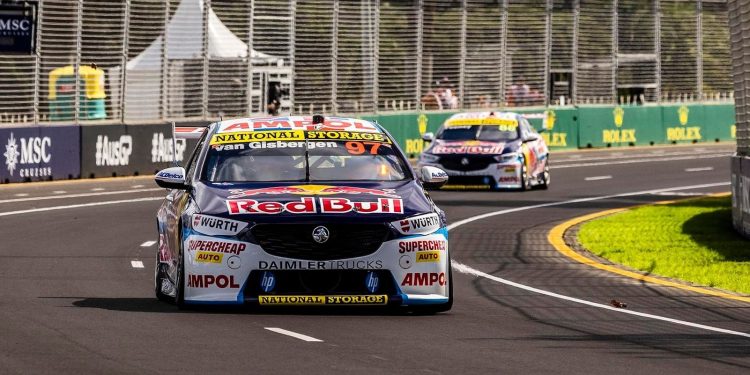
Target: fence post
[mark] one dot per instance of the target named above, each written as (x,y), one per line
(375,33)
(503,51)
(204,81)
(657,47)
(292,42)
(547,53)
(123,65)
(699,48)
(576,21)
(334,56)
(249,73)
(462,62)
(163,96)
(77,63)
(420,55)
(615,49)
(37,62)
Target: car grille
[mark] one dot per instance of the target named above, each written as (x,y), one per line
(320,282)
(473,162)
(296,240)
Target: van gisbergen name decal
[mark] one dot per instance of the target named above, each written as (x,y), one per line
(311,205)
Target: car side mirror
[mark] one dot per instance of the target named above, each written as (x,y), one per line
(433,178)
(531,138)
(428,137)
(171,178)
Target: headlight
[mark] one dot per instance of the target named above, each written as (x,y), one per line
(429,158)
(507,158)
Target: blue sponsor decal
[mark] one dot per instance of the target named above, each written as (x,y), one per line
(372,281)
(267,281)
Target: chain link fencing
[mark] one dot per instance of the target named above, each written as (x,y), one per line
(155,60)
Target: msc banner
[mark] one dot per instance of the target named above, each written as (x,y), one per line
(40,153)
(126,150)
(18,28)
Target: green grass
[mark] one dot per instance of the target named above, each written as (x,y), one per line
(691,240)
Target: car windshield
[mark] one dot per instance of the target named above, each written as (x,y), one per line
(314,156)
(491,133)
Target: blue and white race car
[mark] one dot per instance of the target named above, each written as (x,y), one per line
(497,150)
(301,211)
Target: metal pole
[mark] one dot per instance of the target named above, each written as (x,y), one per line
(376,57)
(547,53)
(334,56)
(657,47)
(503,52)
(292,42)
(204,83)
(699,45)
(124,61)
(420,55)
(462,64)
(576,21)
(249,74)
(77,63)
(37,62)
(163,95)
(615,49)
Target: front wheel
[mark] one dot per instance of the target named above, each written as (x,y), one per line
(525,182)
(545,178)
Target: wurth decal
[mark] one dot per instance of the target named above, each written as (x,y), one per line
(422,224)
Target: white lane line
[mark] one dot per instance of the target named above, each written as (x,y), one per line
(293,334)
(137,186)
(468,270)
(701,169)
(678,194)
(459,267)
(557,166)
(21,195)
(136,263)
(59,192)
(77,195)
(597,178)
(93,204)
(97,189)
(148,244)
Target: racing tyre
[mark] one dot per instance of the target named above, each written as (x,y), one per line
(525,182)
(179,283)
(544,179)
(160,274)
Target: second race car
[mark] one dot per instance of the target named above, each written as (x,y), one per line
(499,150)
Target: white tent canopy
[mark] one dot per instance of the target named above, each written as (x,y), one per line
(184,35)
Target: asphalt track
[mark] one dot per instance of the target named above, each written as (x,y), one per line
(73,299)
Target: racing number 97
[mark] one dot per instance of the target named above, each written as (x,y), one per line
(359,148)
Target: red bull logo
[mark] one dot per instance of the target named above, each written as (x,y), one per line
(312,190)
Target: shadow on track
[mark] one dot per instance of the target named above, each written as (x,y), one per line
(152,305)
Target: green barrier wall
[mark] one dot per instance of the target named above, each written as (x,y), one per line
(590,126)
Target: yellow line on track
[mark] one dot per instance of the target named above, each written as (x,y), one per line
(555,237)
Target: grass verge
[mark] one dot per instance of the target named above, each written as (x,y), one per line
(692,240)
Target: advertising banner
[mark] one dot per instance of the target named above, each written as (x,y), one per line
(128,150)
(18,28)
(40,153)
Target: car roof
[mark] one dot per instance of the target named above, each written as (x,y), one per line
(330,123)
(483,118)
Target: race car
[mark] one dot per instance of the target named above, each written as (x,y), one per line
(301,211)
(499,150)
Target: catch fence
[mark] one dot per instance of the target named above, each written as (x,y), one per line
(156,60)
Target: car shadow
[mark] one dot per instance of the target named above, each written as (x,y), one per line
(152,305)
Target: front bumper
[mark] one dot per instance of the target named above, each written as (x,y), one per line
(405,271)
(495,175)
